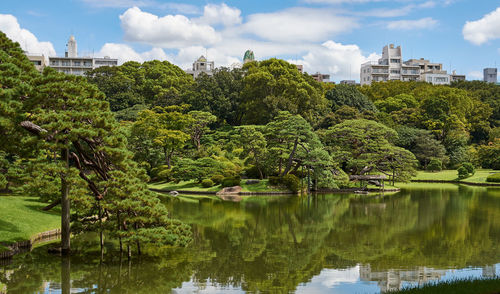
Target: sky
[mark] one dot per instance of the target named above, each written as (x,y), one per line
(329,36)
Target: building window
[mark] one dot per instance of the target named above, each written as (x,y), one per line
(65,63)
(395,71)
(77,63)
(395,60)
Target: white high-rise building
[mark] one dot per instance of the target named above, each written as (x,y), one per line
(391,67)
(490,75)
(202,65)
(74,65)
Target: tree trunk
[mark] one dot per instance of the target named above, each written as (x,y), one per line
(168,156)
(290,158)
(65,275)
(65,207)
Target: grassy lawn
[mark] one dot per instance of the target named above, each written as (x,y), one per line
(487,286)
(262,186)
(452,175)
(21,217)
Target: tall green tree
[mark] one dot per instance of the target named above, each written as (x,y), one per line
(275,85)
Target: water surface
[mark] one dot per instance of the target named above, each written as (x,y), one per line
(320,244)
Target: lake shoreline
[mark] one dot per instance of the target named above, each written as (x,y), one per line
(26,245)
(284,193)
(457,182)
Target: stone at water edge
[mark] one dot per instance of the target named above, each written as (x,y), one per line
(252,182)
(230,190)
(174,193)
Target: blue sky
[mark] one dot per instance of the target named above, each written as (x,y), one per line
(329,36)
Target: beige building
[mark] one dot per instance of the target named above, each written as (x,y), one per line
(322,78)
(37,60)
(392,67)
(202,65)
(72,64)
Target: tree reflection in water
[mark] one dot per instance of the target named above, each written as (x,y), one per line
(275,244)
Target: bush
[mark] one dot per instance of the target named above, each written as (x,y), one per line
(469,167)
(494,178)
(231,181)
(217,179)
(274,181)
(435,165)
(207,183)
(291,182)
(462,173)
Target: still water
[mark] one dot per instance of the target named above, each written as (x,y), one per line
(319,244)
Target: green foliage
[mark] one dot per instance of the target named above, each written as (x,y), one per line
(274,85)
(435,165)
(349,95)
(231,181)
(217,179)
(207,183)
(152,83)
(291,182)
(275,180)
(489,155)
(494,178)
(469,167)
(462,173)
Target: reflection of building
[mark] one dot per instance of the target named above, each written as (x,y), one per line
(489,271)
(37,60)
(322,78)
(74,65)
(202,65)
(391,67)
(490,75)
(393,279)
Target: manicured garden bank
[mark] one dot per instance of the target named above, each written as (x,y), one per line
(451,176)
(486,286)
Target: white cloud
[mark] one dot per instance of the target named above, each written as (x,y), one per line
(342,61)
(28,41)
(125,53)
(298,25)
(169,31)
(484,29)
(475,75)
(423,23)
(217,14)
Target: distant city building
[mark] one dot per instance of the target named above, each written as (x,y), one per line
(74,65)
(202,65)
(454,77)
(322,78)
(37,60)
(300,68)
(490,75)
(392,68)
(347,82)
(248,57)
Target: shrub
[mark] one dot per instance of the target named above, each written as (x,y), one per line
(231,181)
(469,167)
(207,183)
(462,173)
(494,178)
(217,179)
(164,175)
(435,165)
(274,181)
(291,182)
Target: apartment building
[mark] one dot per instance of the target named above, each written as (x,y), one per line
(490,75)
(201,65)
(391,67)
(322,78)
(72,64)
(37,60)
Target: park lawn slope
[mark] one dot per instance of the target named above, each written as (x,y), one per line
(486,286)
(261,187)
(452,176)
(22,217)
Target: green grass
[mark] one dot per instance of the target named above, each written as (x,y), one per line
(486,286)
(262,186)
(21,218)
(452,175)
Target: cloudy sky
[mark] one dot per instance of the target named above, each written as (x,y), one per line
(328,36)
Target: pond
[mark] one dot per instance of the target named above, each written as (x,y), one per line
(319,244)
